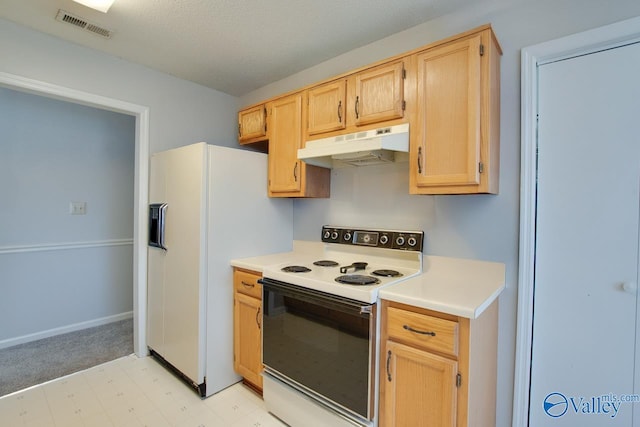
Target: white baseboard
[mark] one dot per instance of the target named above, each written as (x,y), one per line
(65,329)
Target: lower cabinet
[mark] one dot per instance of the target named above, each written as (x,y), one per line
(247,326)
(437,369)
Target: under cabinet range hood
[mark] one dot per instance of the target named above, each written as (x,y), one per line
(371,147)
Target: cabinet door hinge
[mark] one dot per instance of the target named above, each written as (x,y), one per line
(481,49)
(404,105)
(458,380)
(404,73)
(480,167)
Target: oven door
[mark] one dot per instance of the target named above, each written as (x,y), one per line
(320,344)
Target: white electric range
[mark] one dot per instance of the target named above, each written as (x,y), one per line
(320,325)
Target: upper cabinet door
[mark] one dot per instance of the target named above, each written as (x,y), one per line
(449,112)
(379,94)
(285,137)
(252,124)
(327,107)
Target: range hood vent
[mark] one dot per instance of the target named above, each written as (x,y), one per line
(370,147)
(69,18)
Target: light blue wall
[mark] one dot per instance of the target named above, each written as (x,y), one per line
(180,113)
(52,153)
(55,152)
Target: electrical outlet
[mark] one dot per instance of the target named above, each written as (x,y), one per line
(78,208)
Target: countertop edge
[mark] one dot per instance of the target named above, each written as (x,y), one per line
(460,287)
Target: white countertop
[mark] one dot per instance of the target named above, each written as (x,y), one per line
(302,249)
(460,287)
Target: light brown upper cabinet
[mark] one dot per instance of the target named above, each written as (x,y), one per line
(448,92)
(379,94)
(455,138)
(327,107)
(360,100)
(252,124)
(288,176)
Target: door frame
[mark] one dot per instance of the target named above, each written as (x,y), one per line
(141,182)
(607,37)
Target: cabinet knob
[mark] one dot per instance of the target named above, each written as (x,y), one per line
(630,287)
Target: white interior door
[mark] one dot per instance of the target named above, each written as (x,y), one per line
(586,249)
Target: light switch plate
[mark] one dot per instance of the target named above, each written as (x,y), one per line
(78,208)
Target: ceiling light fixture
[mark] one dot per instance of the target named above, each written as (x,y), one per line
(101,5)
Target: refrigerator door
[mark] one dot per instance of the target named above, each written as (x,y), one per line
(218,210)
(175,288)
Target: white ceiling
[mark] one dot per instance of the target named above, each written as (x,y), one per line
(234,46)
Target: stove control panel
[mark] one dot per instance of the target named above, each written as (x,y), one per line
(388,239)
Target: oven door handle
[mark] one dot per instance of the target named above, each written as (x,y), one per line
(321,298)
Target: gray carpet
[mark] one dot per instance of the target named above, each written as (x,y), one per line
(38,361)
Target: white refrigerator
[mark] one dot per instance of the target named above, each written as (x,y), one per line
(208,205)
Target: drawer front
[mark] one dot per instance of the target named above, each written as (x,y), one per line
(422,330)
(247,283)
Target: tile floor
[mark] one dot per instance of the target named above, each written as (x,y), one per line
(131,392)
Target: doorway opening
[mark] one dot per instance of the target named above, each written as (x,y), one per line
(140,193)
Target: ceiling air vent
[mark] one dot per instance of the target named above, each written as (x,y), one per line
(82,23)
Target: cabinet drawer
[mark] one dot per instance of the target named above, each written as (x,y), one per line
(247,283)
(423,331)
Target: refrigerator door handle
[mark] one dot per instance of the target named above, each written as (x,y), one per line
(157,214)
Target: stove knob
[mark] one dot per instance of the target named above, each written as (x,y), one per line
(326,234)
(384,239)
(400,240)
(334,235)
(347,236)
(412,241)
